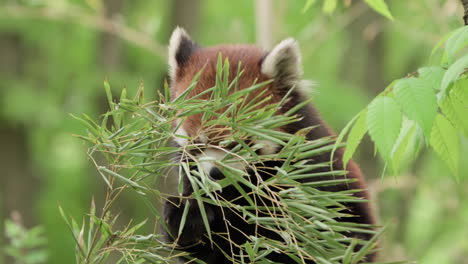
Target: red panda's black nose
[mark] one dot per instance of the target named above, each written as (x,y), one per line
(216,173)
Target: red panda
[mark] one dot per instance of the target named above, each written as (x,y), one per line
(281,65)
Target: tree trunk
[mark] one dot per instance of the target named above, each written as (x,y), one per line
(18,186)
(185,14)
(264,23)
(110,52)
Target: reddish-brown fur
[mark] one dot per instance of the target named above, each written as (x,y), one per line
(251,58)
(205,60)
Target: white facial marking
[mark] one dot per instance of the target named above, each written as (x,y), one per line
(174,44)
(209,157)
(181,140)
(267,147)
(285,50)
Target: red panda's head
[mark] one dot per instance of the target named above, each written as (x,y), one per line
(281,65)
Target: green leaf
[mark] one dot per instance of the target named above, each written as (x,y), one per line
(433,75)
(445,142)
(440,43)
(455,106)
(355,136)
(308,5)
(403,144)
(452,74)
(381,7)
(109,94)
(418,101)
(329,6)
(367,247)
(457,40)
(461,91)
(120,177)
(384,121)
(249,250)
(183,219)
(342,134)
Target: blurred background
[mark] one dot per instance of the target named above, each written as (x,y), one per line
(55,54)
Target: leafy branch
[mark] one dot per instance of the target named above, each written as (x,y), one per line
(133,137)
(428,107)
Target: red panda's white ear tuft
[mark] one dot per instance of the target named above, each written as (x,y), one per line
(181,47)
(284,61)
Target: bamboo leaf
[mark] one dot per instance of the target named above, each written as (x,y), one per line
(183,219)
(367,247)
(122,178)
(108,90)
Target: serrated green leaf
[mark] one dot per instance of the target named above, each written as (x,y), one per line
(445,142)
(440,43)
(418,101)
(455,106)
(452,74)
(380,7)
(329,6)
(457,40)
(403,144)
(433,75)
(383,122)
(461,91)
(355,136)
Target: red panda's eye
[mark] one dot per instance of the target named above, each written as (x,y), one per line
(216,173)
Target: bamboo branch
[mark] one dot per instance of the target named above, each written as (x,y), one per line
(80,16)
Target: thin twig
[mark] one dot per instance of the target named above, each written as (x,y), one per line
(80,16)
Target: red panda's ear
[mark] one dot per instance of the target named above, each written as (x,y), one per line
(283,63)
(181,47)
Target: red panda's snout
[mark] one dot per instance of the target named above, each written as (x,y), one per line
(207,153)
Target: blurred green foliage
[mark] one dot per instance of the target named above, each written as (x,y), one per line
(26,246)
(51,66)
